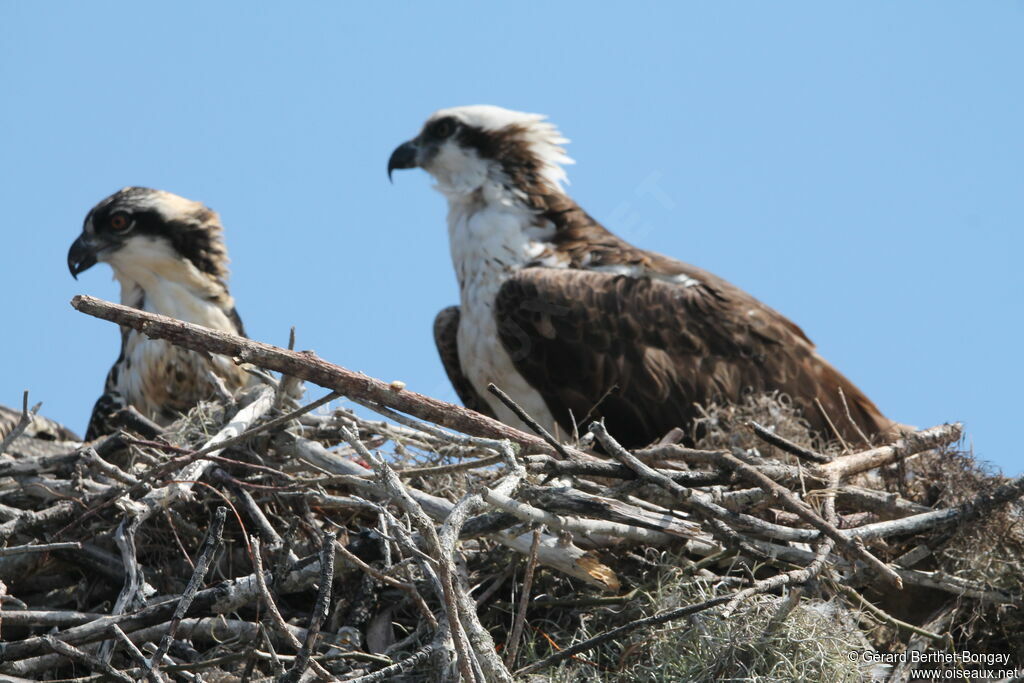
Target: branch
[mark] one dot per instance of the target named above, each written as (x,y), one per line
(23,422)
(308,366)
(786,445)
(210,547)
(910,444)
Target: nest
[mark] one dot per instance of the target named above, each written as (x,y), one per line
(258,540)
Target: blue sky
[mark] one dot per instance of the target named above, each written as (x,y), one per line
(856,165)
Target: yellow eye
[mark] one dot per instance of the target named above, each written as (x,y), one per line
(120,221)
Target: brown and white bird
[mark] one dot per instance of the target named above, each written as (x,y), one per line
(168,254)
(575,323)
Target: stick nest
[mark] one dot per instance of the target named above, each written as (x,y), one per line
(254,541)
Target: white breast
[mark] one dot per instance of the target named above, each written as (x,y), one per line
(489,241)
(157,377)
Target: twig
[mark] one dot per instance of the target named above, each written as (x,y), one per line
(320,609)
(791,502)
(265,426)
(835,430)
(448,469)
(23,422)
(483,645)
(786,445)
(423,524)
(409,588)
(189,474)
(972,509)
(849,417)
(113,471)
(72,652)
(404,666)
(585,527)
(130,418)
(307,366)
(792,578)
(40,548)
(203,563)
(135,653)
(591,643)
(910,444)
(530,422)
(275,613)
(512,645)
(720,518)
(884,616)
(549,465)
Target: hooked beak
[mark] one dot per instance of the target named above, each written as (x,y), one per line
(81,256)
(404,156)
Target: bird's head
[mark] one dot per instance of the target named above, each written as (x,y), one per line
(138,230)
(465,147)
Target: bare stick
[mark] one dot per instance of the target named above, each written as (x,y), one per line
(251,507)
(720,518)
(910,444)
(185,479)
(563,557)
(791,578)
(320,609)
(402,667)
(549,465)
(307,366)
(884,616)
(23,422)
(512,646)
(73,653)
(426,528)
(972,509)
(226,597)
(269,424)
(136,654)
(46,617)
(529,421)
(409,588)
(806,513)
(786,445)
(448,469)
(846,410)
(591,643)
(585,527)
(41,548)
(209,549)
(275,613)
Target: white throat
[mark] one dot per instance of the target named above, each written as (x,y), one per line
(155,278)
(159,378)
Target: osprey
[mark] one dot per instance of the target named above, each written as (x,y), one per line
(169,256)
(575,323)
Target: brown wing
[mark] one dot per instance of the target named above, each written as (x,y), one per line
(40,427)
(642,352)
(446,327)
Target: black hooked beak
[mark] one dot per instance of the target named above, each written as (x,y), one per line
(81,256)
(404,156)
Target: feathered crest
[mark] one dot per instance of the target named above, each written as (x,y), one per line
(521,141)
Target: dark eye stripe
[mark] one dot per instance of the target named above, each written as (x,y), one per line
(442,128)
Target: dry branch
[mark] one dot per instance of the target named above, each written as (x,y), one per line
(308,366)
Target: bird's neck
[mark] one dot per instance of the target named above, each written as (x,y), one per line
(498,229)
(494,231)
(156,279)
